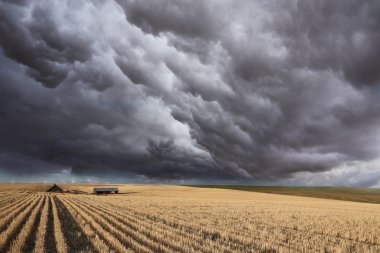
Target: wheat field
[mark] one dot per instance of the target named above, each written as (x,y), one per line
(145,218)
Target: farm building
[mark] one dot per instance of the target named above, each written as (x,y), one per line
(105,190)
(55,188)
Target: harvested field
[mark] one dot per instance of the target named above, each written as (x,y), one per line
(182,219)
(25,187)
(366,195)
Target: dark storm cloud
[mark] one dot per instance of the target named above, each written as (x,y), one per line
(336,35)
(183,17)
(190,89)
(39,45)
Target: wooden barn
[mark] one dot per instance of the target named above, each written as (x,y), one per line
(55,188)
(105,190)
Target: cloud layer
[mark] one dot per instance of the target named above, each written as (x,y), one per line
(211,90)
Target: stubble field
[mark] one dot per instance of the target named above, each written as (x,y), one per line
(181,219)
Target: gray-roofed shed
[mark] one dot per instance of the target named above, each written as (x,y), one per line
(105,190)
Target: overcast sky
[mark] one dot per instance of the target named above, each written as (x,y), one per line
(285,92)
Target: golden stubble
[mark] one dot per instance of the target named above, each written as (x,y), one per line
(183,219)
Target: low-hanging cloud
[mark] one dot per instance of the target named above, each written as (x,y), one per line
(210,90)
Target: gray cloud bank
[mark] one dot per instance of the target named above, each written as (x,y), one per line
(184,89)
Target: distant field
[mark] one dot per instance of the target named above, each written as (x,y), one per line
(25,187)
(338,193)
(154,218)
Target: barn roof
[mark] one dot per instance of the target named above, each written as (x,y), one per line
(55,188)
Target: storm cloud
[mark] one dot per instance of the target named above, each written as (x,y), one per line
(191,90)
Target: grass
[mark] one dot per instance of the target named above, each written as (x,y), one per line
(365,195)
